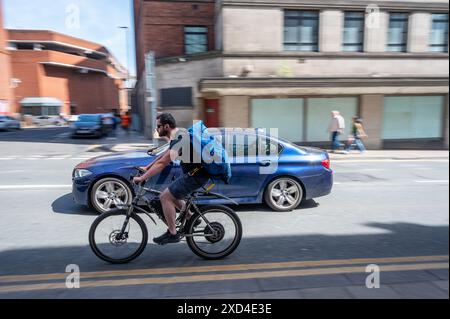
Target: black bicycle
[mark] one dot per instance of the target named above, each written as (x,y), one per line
(120,235)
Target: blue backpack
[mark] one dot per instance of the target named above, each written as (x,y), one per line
(214,157)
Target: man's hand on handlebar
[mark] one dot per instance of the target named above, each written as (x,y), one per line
(138,179)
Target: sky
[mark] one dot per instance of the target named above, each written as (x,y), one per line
(93,20)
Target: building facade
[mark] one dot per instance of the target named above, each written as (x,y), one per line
(5,71)
(55,73)
(288,64)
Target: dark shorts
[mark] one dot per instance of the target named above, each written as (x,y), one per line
(186,184)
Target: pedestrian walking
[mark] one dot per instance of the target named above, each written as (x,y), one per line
(336,128)
(358,133)
(126,122)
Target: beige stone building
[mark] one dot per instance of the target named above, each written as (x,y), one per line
(287,64)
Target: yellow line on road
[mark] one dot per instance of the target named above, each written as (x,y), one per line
(236,267)
(223,277)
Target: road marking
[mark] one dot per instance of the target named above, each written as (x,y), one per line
(43,187)
(12,172)
(236,267)
(222,277)
(336,161)
(433,181)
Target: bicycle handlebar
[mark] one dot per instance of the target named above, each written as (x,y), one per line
(140,171)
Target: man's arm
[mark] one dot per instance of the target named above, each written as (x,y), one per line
(157,166)
(146,168)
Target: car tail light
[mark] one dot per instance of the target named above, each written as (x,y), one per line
(326,163)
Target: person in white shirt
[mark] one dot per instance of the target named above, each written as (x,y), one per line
(336,128)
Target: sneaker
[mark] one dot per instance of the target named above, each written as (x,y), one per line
(167,238)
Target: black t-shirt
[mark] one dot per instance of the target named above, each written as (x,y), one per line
(189,165)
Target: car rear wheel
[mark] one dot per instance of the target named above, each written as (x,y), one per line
(110,193)
(283,194)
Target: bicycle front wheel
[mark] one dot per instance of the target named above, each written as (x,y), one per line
(108,245)
(219,237)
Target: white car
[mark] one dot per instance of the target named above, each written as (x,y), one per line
(8,122)
(44,120)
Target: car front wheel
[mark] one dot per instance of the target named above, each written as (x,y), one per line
(110,193)
(283,194)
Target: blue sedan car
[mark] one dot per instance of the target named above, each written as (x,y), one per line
(282,176)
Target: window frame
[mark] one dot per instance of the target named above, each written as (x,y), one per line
(445,44)
(404,45)
(361,32)
(299,18)
(205,33)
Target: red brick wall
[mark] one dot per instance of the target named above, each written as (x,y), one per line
(5,71)
(161,26)
(91,93)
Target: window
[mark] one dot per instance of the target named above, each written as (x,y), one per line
(284,115)
(398,32)
(439,33)
(175,97)
(409,117)
(301,30)
(195,39)
(354,32)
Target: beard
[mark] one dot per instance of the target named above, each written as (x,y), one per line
(164,133)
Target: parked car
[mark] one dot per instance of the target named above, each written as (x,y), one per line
(88,125)
(8,122)
(44,120)
(302,173)
(72,119)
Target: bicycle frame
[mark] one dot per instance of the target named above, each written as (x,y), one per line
(141,191)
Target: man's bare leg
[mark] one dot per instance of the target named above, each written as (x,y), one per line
(181,204)
(168,203)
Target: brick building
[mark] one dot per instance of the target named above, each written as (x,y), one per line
(5,72)
(287,64)
(56,73)
(170,28)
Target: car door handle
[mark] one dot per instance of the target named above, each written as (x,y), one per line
(265,163)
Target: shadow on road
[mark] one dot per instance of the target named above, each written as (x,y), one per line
(394,240)
(307,204)
(66,205)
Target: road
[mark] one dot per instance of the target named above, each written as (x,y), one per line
(393,214)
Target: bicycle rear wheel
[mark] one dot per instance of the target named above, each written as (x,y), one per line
(106,243)
(217,240)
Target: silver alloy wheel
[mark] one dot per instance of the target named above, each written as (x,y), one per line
(109,194)
(284,194)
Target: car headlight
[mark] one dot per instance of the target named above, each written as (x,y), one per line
(79,173)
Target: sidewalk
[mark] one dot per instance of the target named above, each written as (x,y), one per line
(391,155)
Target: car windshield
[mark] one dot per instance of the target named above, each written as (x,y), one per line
(88,118)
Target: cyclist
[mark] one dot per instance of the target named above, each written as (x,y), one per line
(194,176)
